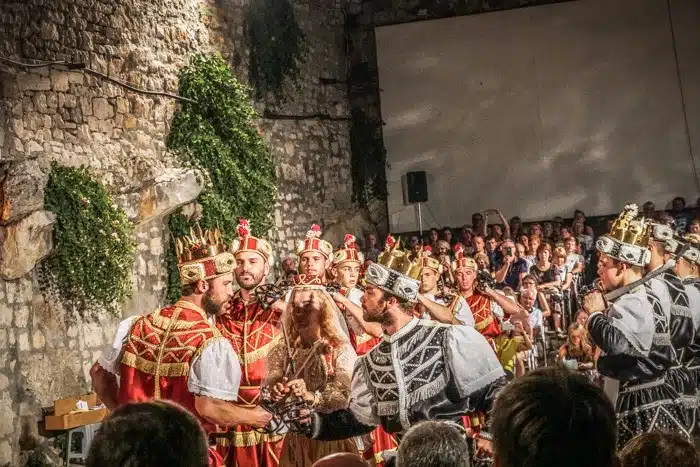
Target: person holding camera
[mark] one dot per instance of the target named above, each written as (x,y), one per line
(512,269)
(487,305)
(513,340)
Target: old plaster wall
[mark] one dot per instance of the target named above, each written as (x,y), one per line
(79,119)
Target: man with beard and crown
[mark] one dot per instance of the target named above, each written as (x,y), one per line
(252,331)
(422,370)
(486,304)
(430,273)
(177,353)
(633,334)
(672,294)
(346,268)
(687,268)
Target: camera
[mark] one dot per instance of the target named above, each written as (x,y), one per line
(508,251)
(484,279)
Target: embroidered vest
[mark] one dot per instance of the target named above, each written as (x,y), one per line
(157,355)
(399,376)
(252,332)
(484,320)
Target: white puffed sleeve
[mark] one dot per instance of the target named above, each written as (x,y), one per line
(110,359)
(463,313)
(472,361)
(216,372)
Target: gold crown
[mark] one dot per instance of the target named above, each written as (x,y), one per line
(397,260)
(199,245)
(627,229)
(203,255)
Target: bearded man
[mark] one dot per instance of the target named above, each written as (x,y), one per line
(459,312)
(633,334)
(148,359)
(436,371)
(252,331)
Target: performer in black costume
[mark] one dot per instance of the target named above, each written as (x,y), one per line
(688,269)
(633,334)
(674,300)
(396,385)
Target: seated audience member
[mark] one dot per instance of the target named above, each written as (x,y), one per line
(553,417)
(577,353)
(547,231)
(434,444)
(482,262)
(539,308)
(544,270)
(516,225)
(694,227)
(574,260)
(149,434)
(560,268)
(433,237)
(681,218)
(656,449)
(447,235)
(512,268)
(649,210)
(521,252)
(534,242)
(492,251)
(511,348)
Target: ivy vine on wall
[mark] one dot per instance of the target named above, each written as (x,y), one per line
(94,245)
(277,46)
(218,135)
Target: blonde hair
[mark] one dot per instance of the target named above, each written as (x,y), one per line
(484,256)
(584,348)
(328,320)
(559,252)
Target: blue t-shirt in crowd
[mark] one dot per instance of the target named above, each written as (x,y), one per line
(512,279)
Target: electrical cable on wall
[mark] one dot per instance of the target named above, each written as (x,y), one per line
(69,66)
(683,106)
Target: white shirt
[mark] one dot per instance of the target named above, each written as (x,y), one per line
(461,310)
(215,373)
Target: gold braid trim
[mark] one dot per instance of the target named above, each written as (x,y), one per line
(149,367)
(204,345)
(483,323)
(248,438)
(164,323)
(260,352)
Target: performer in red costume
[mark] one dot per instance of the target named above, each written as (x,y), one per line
(487,307)
(253,332)
(177,353)
(346,268)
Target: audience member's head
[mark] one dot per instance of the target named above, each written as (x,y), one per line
(659,450)
(678,204)
(342,459)
(553,418)
(149,434)
(482,261)
(434,444)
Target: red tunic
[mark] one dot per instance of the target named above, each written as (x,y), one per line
(253,332)
(486,323)
(157,355)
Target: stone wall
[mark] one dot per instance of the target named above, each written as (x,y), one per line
(78,118)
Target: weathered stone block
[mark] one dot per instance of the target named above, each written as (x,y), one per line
(169,191)
(38,340)
(92,334)
(25,243)
(7,421)
(49,376)
(22,190)
(33,82)
(5,453)
(101,108)
(23,341)
(60,80)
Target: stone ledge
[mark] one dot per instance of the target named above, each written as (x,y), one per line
(167,192)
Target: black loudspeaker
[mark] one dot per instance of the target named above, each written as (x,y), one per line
(417,186)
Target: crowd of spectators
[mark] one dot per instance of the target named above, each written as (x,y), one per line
(551,417)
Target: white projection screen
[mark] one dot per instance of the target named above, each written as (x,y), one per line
(542,110)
